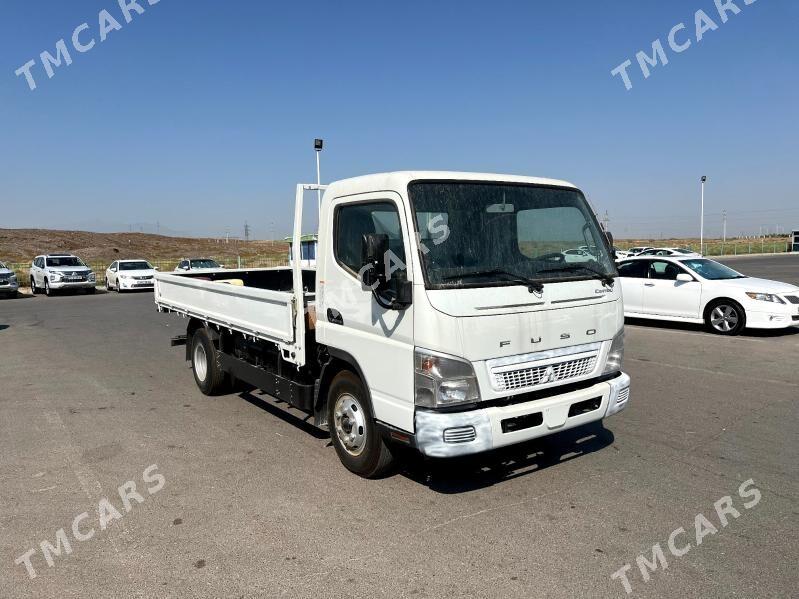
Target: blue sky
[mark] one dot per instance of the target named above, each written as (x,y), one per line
(201,115)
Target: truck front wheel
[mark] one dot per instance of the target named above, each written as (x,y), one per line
(208,373)
(353,430)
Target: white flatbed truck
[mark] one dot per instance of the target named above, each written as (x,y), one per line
(442,315)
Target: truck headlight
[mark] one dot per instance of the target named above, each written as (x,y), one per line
(442,381)
(764,297)
(55,276)
(91,277)
(616,354)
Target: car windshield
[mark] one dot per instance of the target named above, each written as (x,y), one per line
(711,270)
(65,261)
(476,234)
(135,266)
(204,263)
(683,251)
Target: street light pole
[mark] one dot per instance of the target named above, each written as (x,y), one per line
(318,144)
(702,220)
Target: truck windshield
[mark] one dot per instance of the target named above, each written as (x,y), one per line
(476,234)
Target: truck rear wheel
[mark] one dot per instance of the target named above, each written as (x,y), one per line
(208,373)
(353,430)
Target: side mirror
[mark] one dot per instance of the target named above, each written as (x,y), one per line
(374,248)
(156,268)
(609,235)
(395,293)
(684,277)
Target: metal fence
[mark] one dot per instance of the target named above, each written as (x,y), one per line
(22,269)
(735,247)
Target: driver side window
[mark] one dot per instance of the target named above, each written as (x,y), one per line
(353,221)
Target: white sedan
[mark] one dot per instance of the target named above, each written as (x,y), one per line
(127,275)
(674,252)
(699,290)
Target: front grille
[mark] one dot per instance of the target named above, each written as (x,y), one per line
(463,434)
(146,278)
(792,298)
(539,375)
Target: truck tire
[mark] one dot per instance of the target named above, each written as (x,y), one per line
(34,289)
(208,373)
(353,430)
(47,291)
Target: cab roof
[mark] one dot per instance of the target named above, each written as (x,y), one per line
(399,180)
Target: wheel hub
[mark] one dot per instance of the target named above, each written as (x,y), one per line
(724,318)
(350,424)
(200,362)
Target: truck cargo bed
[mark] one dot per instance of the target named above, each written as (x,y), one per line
(257,302)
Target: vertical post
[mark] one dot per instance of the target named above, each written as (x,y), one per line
(724,235)
(318,182)
(318,144)
(702,219)
(299,291)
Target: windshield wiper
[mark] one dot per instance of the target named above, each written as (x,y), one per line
(606,279)
(532,285)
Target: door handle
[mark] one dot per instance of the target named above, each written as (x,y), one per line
(649,284)
(334,317)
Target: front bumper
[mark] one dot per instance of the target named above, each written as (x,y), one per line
(775,317)
(442,434)
(59,285)
(131,284)
(9,288)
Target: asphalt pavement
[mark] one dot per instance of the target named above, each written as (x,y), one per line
(254,503)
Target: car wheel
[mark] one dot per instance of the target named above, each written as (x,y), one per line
(208,373)
(725,317)
(353,430)
(47,291)
(107,286)
(34,290)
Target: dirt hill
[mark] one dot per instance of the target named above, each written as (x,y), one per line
(22,245)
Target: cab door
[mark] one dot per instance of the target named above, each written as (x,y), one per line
(664,295)
(349,318)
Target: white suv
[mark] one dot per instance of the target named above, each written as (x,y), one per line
(55,272)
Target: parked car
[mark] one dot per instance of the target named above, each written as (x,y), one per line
(198,264)
(619,254)
(637,250)
(126,275)
(674,252)
(57,272)
(578,255)
(8,281)
(471,341)
(699,290)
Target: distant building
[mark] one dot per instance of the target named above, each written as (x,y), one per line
(308,247)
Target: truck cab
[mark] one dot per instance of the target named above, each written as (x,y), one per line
(446,315)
